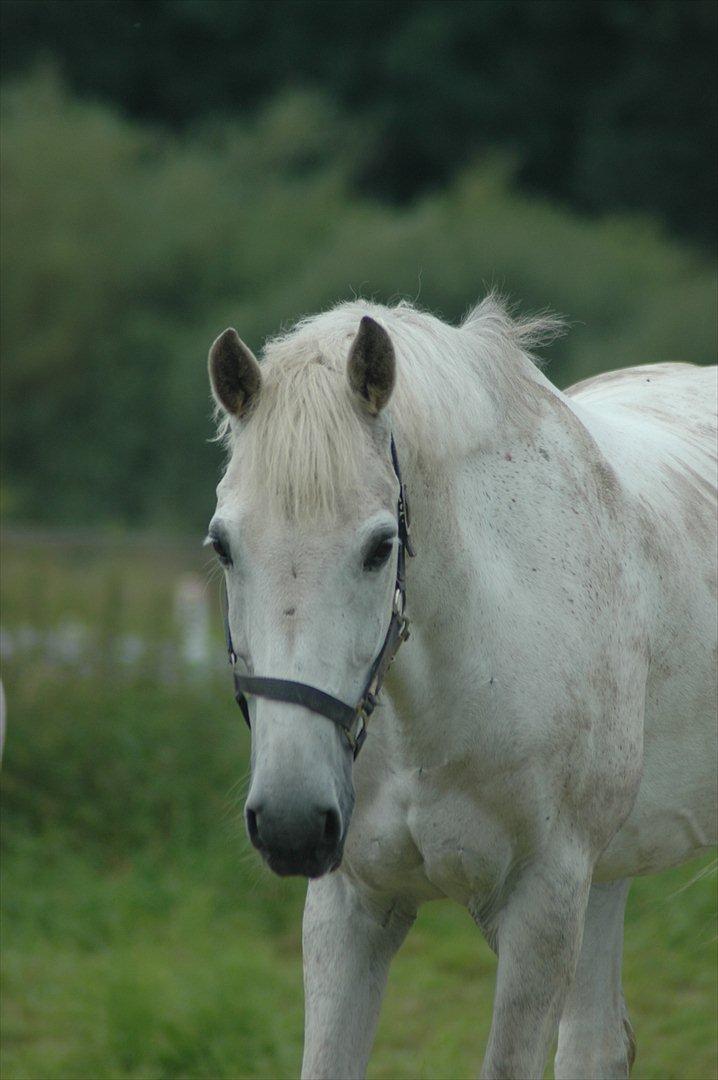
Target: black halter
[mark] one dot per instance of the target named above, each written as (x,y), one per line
(352,719)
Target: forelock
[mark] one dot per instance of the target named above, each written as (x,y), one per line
(305,446)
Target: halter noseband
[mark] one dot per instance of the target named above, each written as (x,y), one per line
(352,719)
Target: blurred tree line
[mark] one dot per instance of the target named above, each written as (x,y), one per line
(126,249)
(605,104)
(171,168)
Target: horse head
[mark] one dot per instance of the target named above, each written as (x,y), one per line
(307,531)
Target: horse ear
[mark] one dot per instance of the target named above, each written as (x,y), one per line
(372,367)
(234,373)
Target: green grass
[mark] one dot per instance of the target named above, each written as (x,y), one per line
(142,938)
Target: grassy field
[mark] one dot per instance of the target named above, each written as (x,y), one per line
(143,939)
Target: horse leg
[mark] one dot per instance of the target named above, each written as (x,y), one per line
(595,1037)
(537,935)
(347,953)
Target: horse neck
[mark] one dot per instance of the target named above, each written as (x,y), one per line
(471,491)
(470,512)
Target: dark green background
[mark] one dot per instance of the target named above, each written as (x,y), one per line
(608,104)
(174,167)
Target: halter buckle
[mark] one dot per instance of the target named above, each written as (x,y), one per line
(357,741)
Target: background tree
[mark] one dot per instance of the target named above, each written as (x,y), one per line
(605,104)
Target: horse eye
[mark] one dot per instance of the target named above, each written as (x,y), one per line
(379,554)
(222,553)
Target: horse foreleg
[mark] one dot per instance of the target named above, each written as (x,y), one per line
(347,953)
(538,939)
(595,1036)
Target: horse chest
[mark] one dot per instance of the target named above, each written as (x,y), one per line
(416,839)
(464,849)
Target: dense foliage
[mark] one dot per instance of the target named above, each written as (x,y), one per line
(126,249)
(608,104)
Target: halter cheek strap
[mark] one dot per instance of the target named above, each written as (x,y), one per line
(352,719)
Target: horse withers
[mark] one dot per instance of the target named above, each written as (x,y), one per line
(547,732)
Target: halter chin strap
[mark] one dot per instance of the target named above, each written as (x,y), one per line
(352,719)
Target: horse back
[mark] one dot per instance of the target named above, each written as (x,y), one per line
(656,425)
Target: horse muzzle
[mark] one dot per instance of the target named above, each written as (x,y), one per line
(307,843)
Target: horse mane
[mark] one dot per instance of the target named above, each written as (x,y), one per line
(305,441)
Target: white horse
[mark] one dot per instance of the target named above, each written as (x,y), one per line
(549,729)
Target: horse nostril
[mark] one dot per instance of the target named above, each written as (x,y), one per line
(332,828)
(252,827)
